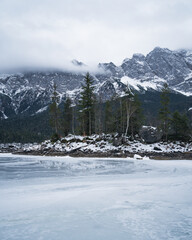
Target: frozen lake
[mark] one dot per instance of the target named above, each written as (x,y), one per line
(62,198)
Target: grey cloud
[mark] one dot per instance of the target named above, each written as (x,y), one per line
(50,33)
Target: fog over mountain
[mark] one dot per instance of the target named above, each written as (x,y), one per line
(51,33)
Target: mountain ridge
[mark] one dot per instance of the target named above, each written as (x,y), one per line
(29,93)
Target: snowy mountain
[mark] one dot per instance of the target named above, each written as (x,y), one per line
(29,93)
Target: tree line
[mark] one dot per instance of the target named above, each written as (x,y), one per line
(121,115)
(174,126)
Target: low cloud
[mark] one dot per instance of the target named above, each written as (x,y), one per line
(51,33)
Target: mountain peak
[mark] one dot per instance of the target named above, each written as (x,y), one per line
(139,56)
(77,63)
(159,49)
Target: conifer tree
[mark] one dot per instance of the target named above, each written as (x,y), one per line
(119,114)
(180,126)
(164,113)
(109,117)
(54,111)
(74,120)
(67,116)
(87,106)
(98,115)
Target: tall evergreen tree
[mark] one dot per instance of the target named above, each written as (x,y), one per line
(99,122)
(164,113)
(87,106)
(74,120)
(180,126)
(54,111)
(119,114)
(109,117)
(67,116)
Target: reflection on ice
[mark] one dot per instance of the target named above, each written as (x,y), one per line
(66,198)
(31,167)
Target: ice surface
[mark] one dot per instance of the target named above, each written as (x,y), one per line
(56,198)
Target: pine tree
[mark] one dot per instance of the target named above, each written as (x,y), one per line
(99,122)
(164,113)
(109,117)
(119,114)
(54,111)
(67,116)
(180,126)
(87,106)
(74,122)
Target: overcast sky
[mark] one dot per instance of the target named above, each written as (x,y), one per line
(50,33)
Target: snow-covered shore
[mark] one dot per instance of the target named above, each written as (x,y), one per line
(105,146)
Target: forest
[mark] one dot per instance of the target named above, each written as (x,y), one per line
(122,115)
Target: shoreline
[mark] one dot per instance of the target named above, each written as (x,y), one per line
(79,154)
(105,146)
